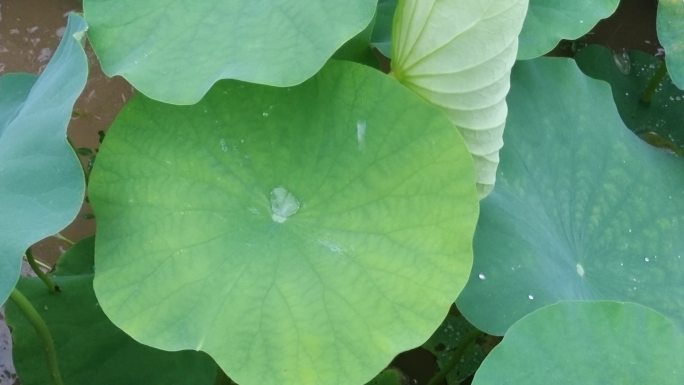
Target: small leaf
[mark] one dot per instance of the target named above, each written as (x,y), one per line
(550,21)
(449,337)
(306,235)
(90,349)
(173,51)
(41,180)
(458,55)
(583,208)
(579,343)
(670,25)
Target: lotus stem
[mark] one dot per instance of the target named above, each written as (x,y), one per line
(63,238)
(52,287)
(43,332)
(650,90)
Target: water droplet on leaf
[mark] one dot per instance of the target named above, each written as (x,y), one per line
(622,62)
(361,132)
(283,204)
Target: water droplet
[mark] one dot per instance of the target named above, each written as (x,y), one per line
(647,259)
(629,230)
(581,21)
(530,297)
(482,276)
(332,246)
(580,270)
(361,132)
(283,204)
(264,114)
(622,62)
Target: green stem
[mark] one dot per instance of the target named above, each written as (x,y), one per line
(40,273)
(43,332)
(63,238)
(456,357)
(648,93)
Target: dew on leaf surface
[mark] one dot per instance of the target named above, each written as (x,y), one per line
(361,132)
(283,204)
(622,62)
(332,246)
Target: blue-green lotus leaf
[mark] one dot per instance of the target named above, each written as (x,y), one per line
(670,25)
(41,180)
(580,343)
(382,32)
(173,51)
(90,349)
(550,21)
(299,235)
(660,122)
(458,55)
(583,208)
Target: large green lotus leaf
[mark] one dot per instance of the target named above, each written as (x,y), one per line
(550,21)
(629,73)
(299,236)
(173,51)
(389,377)
(458,55)
(583,208)
(670,25)
(91,350)
(41,180)
(580,343)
